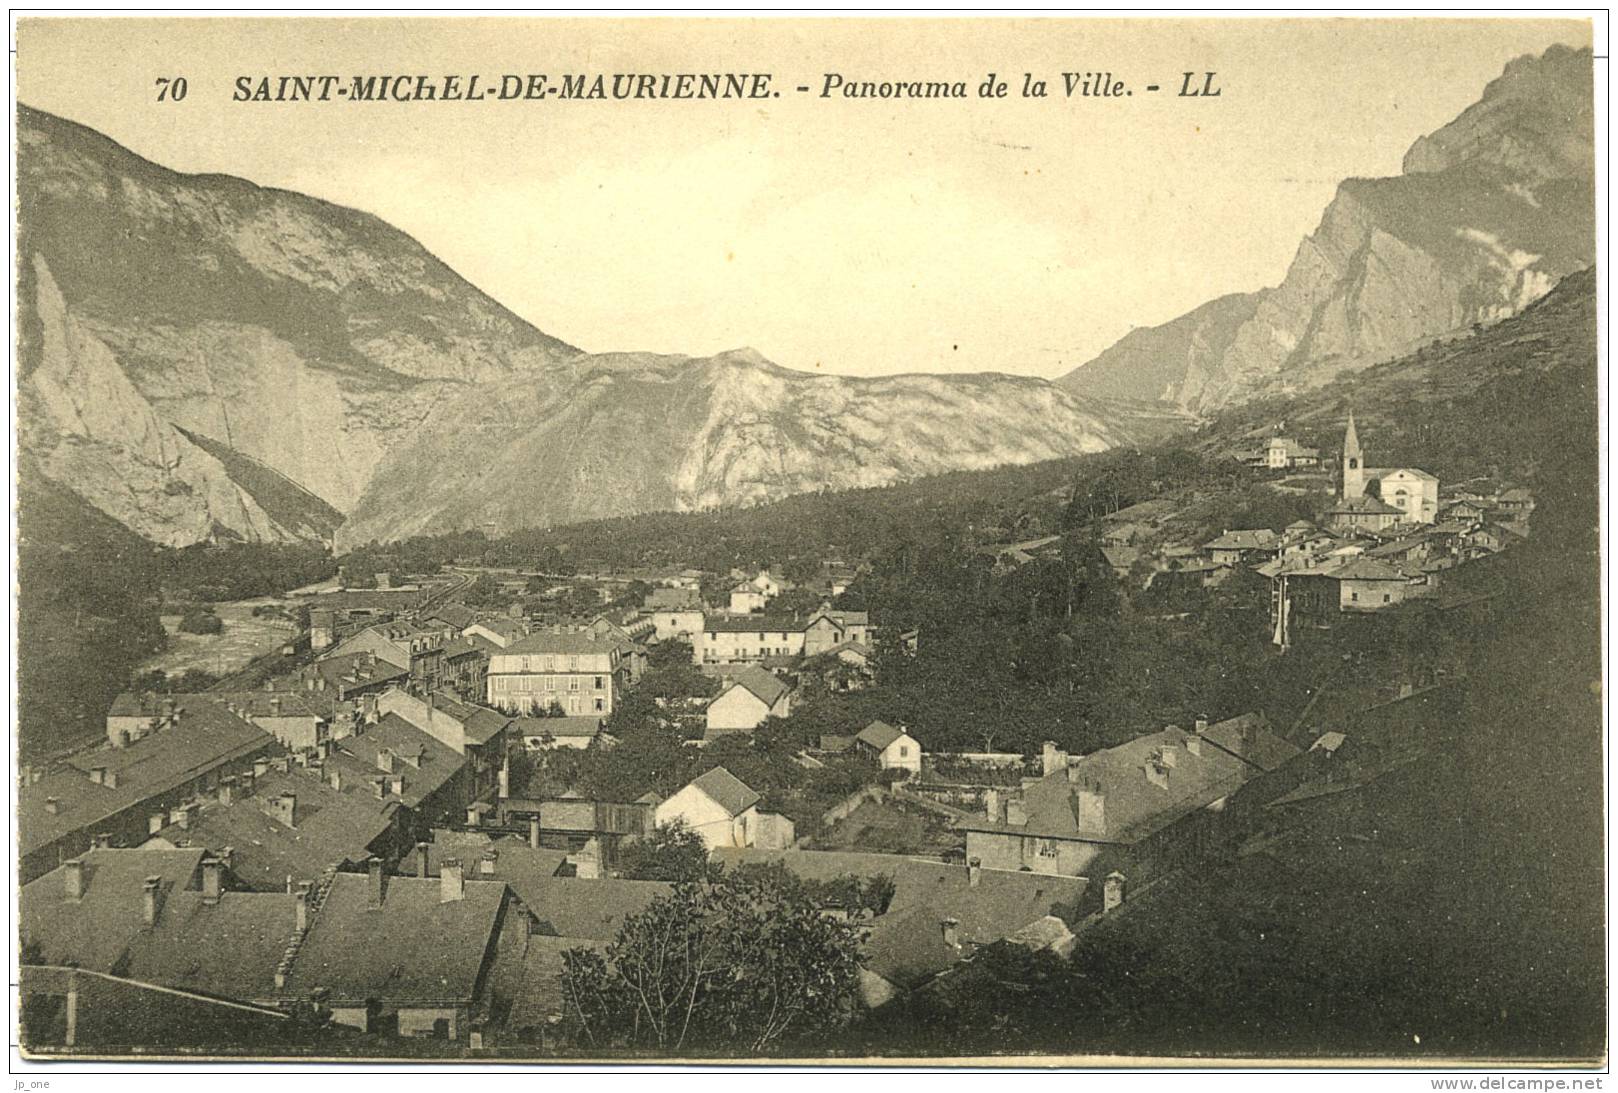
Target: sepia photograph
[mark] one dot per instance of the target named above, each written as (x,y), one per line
(842,540)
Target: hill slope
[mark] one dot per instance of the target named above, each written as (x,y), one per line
(1489,212)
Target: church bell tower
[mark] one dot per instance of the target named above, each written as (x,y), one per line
(1353,463)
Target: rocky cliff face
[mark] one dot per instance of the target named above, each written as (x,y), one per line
(203,357)
(625,433)
(1490,212)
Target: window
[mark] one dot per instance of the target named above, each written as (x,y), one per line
(1386,598)
(601,705)
(573,683)
(599,683)
(1354,596)
(550,683)
(904,751)
(1045,848)
(572,664)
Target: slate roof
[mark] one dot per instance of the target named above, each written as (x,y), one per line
(208,736)
(228,950)
(415,948)
(95,931)
(594,909)
(516,863)
(566,643)
(907,939)
(356,756)
(878,735)
(559,727)
(1135,807)
(457,615)
(751,624)
(727,791)
(763,685)
(1363,505)
(330,827)
(536,994)
(336,670)
(1249,739)
(1242,540)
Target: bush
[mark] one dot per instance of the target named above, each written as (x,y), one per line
(201,620)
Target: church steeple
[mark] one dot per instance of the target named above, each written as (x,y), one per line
(1353,463)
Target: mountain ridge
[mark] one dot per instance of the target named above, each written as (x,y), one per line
(1492,209)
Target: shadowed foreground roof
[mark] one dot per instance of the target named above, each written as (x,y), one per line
(416,948)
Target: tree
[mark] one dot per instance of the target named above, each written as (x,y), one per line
(727,965)
(672,852)
(201,620)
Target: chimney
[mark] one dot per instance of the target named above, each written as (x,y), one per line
(212,880)
(103,840)
(1171,756)
(487,863)
(1016,812)
(227,790)
(974,871)
(150,896)
(378,882)
(423,856)
(73,879)
(1156,772)
(384,760)
(1193,745)
(991,804)
(154,822)
(1201,725)
(261,767)
(1092,809)
(300,909)
(181,816)
(951,927)
(334,778)
(533,832)
(451,885)
(505,780)
(286,809)
(98,776)
(1113,892)
(275,705)
(1051,758)
(472,816)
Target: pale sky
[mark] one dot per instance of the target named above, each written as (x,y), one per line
(857,236)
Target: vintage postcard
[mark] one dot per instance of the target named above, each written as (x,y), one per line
(1046,541)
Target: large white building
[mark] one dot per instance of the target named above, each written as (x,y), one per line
(581,672)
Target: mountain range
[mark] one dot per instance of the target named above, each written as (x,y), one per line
(1488,213)
(203,358)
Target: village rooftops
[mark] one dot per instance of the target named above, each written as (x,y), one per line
(348,670)
(564,643)
(456,615)
(423,763)
(204,737)
(1364,505)
(1135,790)
(415,947)
(878,735)
(510,859)
(479,723)
(727,791)
(329,826)
(88,911)
(997,905)
(1254,539)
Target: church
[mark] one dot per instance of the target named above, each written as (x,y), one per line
(1375,498)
